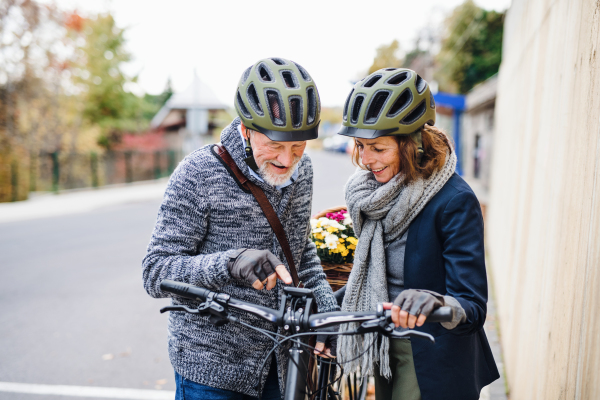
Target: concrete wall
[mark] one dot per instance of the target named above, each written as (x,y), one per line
(543,227)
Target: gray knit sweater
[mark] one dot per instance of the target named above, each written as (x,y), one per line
(203,218)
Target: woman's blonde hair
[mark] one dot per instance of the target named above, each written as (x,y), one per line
(435,146)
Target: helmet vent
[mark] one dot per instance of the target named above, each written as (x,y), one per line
(376,106)
(312,105)
(296,111)
(245,75)
(242,106)
(264,73)
(290,79)
(254,101)
(303,72)
(415,114)
(278,61)
(401,103)
(275,108)
(398,79)
(346,105)
(420,84)
(431,100)
(372,81)
(391,69)
(356,108)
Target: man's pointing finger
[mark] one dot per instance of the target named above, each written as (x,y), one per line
(283,274)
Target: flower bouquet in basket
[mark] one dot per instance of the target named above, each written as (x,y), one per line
(333,234)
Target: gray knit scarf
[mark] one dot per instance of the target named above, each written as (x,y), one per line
(380,214)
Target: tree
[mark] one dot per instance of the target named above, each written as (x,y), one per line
(30,74)
(152,103)
(63,92)
(388,56)
(471,48)
(98,75)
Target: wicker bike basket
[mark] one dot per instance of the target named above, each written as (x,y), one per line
(337,274)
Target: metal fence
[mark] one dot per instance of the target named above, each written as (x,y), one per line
(59,171)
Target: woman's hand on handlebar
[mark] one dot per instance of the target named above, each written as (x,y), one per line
(412,307)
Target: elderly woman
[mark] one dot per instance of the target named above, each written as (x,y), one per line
(420,246)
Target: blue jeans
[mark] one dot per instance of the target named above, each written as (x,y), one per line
(188,390)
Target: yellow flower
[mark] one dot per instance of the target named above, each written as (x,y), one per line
(341,240)
(352,246)
(331,229)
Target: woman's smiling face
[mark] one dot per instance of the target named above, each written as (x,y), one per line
(381,156)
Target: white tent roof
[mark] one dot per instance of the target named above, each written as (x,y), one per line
(197,96)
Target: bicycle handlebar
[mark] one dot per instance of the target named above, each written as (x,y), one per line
(197,293)
(184,290)
(295,317)
(315,321)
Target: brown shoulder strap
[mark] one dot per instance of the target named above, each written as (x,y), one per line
(265,205)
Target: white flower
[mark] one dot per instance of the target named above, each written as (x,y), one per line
(331,241)
(337,225)
(344,236)
(347,220)
(324,221)
(313,223)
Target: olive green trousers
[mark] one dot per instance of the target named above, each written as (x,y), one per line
(403,384)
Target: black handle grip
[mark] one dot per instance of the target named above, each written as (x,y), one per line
(442,314)
(184,290)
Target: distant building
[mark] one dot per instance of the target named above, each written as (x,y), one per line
(478,134)
(449,108)
(187,118)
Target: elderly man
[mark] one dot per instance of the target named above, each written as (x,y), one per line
(212,232)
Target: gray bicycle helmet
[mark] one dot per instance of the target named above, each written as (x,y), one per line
(278,98)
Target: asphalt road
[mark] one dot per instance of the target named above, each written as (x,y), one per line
(73,308)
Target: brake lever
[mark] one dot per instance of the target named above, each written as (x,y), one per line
(216,312)
(422,335)
(179,308)
(386,328)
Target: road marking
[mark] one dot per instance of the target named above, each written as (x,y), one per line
(86,391)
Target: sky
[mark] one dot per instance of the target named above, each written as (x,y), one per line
(334,40)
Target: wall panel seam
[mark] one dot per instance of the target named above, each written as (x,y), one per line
(589,261)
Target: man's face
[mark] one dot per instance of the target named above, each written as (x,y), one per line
(276,160)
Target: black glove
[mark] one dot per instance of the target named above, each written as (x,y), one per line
(419,301)
(252,265)
(329,340)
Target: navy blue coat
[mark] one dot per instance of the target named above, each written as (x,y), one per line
(445,253)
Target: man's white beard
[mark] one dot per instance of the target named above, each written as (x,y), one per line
(274,179)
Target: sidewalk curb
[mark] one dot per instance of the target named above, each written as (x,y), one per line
(81,200)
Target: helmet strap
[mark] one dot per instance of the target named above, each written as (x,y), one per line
(418,139)
(249,160)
